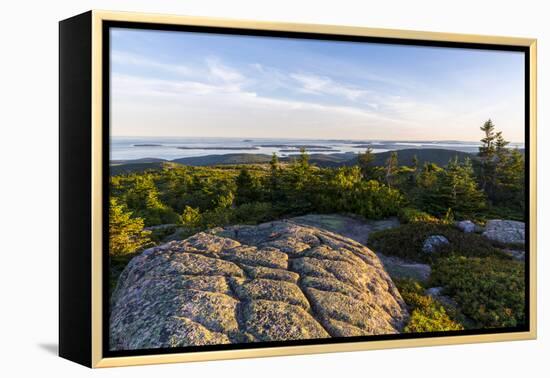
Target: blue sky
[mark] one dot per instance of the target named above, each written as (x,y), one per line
(191,84)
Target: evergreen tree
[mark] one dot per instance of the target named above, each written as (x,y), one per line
(510,180)
(126,234)
(501,145)
(275,192)
(455,191)
(274,164)
(487,148)
(415,163)
(303,160)
(487,154)
(247,188)
(412,175)
(191,217)
(300,183)
(391,168)
(143,198)
(365,161)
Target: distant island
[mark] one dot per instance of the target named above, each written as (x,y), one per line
(219,148)
(332,160)
(297,146)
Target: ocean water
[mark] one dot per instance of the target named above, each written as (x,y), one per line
(169,148)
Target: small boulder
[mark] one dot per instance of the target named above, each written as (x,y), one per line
(433,243)
(505,231)
(466,226)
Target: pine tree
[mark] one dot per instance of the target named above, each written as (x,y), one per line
(391,168)
(191,217)
(299,183)
(451,190)
(500,145)
(126,234)
(458,189)
(247,188)
(415,163)
(487,148)
(487,157)
(303,160)
(510,180)
(365,161)
(275,191)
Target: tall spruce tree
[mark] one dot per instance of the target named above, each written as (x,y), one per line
(487,155)
(275,190)
(510,180)
(247,188)
(451,190)
(391,168)
(365,161)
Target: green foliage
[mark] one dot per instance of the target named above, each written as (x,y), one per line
(510,179)
(126,234)
(451,188)
(344,190)
(391,168)
(412,215)
(501,171)
(191,217)
(427,314)
(365,161)
(254,213)
(407,240)
(248,188)
(489,290)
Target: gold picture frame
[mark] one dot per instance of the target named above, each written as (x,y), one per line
(91,24)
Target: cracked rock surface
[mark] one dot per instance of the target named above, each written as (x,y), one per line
(272,282)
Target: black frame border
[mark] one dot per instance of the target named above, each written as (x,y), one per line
(107,25)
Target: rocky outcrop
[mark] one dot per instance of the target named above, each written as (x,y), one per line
(505,231)
(433,243)
(276,281)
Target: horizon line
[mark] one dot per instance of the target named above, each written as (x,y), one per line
(306,138)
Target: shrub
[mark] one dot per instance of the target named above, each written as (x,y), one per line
(255,212)
(489,290)
(191,217)
(412,215)
(344,190)
(427,314)
(158,234)
(407,240)
(126,233)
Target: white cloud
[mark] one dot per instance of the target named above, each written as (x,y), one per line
(323,85)
(125,58)
(219,71)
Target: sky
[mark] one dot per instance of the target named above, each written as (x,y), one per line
(168,83)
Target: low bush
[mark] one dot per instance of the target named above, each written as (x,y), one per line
(489,290)
(407,240)
(427,314)
(412,215)
(254,213)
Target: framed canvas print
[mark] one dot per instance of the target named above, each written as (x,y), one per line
(235,189)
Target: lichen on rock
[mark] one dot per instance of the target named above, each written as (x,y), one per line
(272,282)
